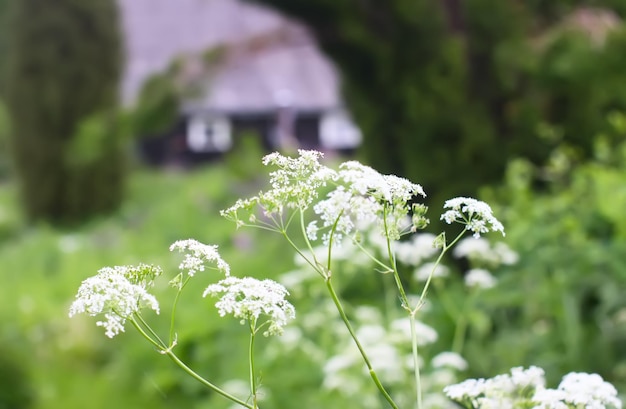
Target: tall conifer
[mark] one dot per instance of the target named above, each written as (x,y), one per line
(62,75)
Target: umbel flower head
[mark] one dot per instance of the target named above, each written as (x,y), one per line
(474,214)
(248,298)
(117,293)
(502,391)
(578,390)
(197,255)
(365,196)
(525,388)
(295,185)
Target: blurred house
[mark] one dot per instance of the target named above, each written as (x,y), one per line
(268,77)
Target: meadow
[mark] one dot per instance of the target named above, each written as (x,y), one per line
(69,361)
(558,304)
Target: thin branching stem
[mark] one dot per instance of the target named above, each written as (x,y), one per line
(386,268)
(253,383)
(416,363)
(445,248)
(168,351)
(174,305)
(155,336)
(346,322)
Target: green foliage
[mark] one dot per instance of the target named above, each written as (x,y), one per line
(243,160)
(562,305)
(15,390)
(68,362)
(446,93)
(4,136)
(3,40)
(63,68)
(157,106)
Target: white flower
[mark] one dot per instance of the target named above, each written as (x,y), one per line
(479,278)
(528,378)
(401,330)
(117,293)
(294,185)
(549,399)
(505,254)
(578,390)
(413,252)
(368,182)
(479,249)
(474,214)
(341,211)
(69,243)
(248,298)
(466,390)
(588,390)
(368,314)
(449,359)
(425,270)
(502,391)
(197,254)
(471,247)
(363,197)
(311,230)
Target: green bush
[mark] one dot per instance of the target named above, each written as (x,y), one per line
(562,305)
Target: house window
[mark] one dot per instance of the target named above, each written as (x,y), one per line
(337,131)
(209,134)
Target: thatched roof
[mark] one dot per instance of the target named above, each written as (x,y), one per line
(268,60)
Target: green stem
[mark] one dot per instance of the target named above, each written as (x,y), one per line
(253,384)
(418,382)
(330,241)
(301,254)
(413,311)
(386,268)
(392,263)
(203,381)
(432,272)
(459,334)
(173,318)
(307,241)
(346,322)
(160,344)
(167,351)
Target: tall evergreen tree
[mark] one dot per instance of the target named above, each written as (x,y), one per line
(62,74)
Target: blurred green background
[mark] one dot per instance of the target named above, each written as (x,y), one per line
(519,103)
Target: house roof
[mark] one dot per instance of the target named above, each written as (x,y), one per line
(269,61)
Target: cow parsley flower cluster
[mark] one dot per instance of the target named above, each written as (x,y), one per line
(197,255)
(525,388)
(365,196)
(248,298)
(375,211)
(117,293)
(578,390)
(479,278)
(449,359)
(474,214)
(295,185)
(481,250)
(501,391)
